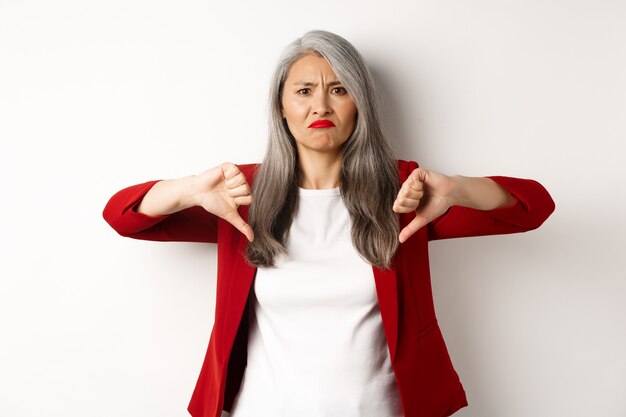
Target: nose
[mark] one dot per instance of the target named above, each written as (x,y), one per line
(321,103)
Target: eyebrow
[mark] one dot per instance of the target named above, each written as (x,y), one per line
(311,83)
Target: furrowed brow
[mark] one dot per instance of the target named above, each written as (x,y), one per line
(311,83)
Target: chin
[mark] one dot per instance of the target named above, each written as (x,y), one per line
(321,143)
(318,147)
(326,146)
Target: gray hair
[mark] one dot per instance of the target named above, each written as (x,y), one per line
(369,167)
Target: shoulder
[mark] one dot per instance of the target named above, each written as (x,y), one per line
(405,167)
(249,170)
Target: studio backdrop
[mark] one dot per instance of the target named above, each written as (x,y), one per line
(96,96)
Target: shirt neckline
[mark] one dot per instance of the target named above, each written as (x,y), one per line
(322,192)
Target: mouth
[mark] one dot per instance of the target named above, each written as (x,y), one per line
(321,124)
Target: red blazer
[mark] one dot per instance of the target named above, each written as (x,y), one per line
(429,385)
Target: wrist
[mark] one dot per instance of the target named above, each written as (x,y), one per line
(456,194)
(188,192)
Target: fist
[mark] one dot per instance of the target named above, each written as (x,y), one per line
(428,194)
(221,190)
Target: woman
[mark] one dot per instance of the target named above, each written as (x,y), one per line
(324,305)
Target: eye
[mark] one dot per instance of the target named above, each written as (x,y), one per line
(303,91)
(340,90)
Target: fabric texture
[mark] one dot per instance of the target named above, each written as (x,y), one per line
(316,344)
(426,379)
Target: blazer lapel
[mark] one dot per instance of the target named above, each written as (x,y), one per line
(236,290)
(386,289)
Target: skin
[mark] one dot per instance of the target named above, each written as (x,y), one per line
(313,92)
(222,189)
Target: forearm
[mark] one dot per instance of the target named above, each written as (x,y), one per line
(168,196)
(480,193)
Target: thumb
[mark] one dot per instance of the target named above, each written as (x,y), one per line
(235,219)
(417,223)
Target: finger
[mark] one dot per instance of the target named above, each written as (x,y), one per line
(239,191)
(414,184)
(418,175)
(235,219)
(417,223)
(407,199)
(411,188)
(410,192)
(230,170)
(243,200)
(236,181)
(403,207)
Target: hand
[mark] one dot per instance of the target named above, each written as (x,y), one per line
(428,193)
(220,190)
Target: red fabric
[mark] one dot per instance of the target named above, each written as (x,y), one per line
(429,386)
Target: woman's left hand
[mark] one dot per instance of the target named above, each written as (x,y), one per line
(428,193)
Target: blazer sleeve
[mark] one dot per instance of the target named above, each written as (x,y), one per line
(533,205)
(193,224)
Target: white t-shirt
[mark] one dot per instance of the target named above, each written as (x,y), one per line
(316,345)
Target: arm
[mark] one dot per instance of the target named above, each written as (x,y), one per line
(192,224)
(480,193)
(470,206)
(528,206)
(184,209)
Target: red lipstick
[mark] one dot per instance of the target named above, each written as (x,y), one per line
(322,123)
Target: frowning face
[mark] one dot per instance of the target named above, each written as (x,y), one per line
(320,113)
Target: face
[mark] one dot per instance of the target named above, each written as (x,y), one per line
(312,92)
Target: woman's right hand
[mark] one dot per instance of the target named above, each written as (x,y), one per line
(220,190)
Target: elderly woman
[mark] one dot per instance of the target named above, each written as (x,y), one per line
(324,305)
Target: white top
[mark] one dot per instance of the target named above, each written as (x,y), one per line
(316,345)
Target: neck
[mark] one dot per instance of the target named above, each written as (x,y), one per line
(319,170)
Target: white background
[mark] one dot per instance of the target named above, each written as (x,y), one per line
(95,96)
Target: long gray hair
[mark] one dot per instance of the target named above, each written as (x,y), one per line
(368,183)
